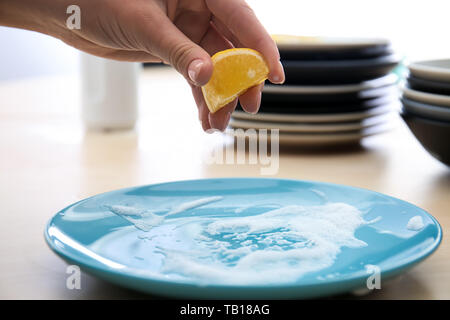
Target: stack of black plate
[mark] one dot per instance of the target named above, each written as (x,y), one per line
(337,90)
(426,106)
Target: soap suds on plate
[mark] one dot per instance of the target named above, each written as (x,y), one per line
(193,204)
(415,223)
(135,216)
(278,246)
(321,195)
(126,210)
(145,220)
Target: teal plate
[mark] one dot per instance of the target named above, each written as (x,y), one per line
(243,238)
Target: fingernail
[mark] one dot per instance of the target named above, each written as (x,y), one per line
(205,125)
(258,104)
(277,79)
(194,69)
(227,120)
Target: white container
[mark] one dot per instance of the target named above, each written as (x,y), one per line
(109,92)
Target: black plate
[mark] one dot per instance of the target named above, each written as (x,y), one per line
(347,97)
(337,54)
(320,108)
(432,134)
(338,71)
(428,85)
(324,107)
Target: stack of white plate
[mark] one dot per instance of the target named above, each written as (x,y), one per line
(426,106)
(336,91)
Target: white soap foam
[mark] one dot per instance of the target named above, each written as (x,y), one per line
(321,195)
(145,238)
(374,220)
(126,210)
(145,220)
(246,207)
(241,209)
(193,204)
(85,216)
(277,246)
(415,223)
(136,215)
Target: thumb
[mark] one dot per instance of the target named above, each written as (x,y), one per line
(188,58)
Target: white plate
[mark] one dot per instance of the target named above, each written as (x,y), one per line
(438,70)
(313,118)
(314,127)
(306,43)
(425,97)
(329,139)
(387,80)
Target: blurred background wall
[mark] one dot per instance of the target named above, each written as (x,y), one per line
(24,54)
(419,30)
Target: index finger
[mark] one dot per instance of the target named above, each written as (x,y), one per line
(240,19)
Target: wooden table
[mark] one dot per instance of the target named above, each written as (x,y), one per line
(48,161)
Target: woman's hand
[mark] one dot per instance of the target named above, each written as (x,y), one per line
(183,33)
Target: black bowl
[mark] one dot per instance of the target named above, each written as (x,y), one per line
(430,86)
(433,135)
